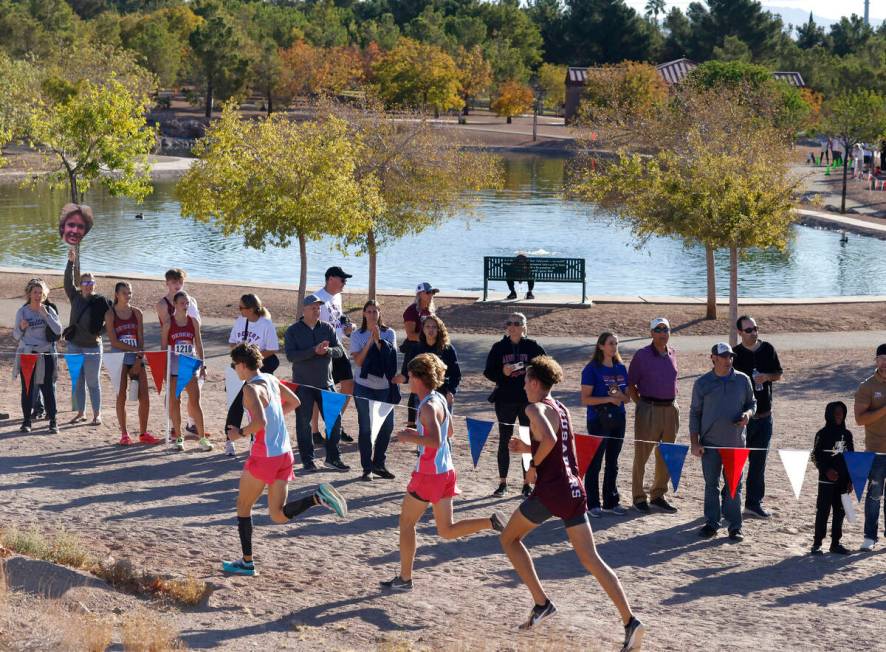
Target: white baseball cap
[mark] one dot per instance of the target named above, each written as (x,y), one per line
(659,321)
(722,348)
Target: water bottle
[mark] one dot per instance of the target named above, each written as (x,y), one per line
(758,386)
(133,390)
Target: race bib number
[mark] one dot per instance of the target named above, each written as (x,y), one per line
(184,348)
(129,340)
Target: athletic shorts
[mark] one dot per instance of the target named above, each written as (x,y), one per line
(432,487)
(341,370)
(534,510)
(271,469)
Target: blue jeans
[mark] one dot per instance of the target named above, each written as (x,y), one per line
(758,436)
(92,364)
(368,459)
(717,501)
(610,450)
(308,396)
(876,480)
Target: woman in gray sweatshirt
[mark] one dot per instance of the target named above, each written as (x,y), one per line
(32,321)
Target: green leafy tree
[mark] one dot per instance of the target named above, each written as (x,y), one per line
(759,29)
(414,74)
(549,18)
(38,27)
(552,78)
(654,8)
(267,76)
(275,181)
(809,34)
(603,31)
(217,50)
(475,74)
(95,133)
(161,50)
(853,117)
(19,83)
(849,35)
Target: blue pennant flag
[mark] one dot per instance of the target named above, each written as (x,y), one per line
(187,367)
(674,455)
(478,433)
(859,465)
(75,366)
(333,403)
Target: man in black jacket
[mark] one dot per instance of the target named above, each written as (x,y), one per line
(833,476)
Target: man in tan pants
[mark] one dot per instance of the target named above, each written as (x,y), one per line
(652,383)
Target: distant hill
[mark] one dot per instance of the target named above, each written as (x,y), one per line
(797,17)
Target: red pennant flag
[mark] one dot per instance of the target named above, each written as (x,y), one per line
(585,448)
(733,463)
(27,362)
(157,363)
(293,387)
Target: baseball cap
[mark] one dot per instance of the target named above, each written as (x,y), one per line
(659,321)
(722,348)
(311,299)
(881,350)
(426,287)
(337,271)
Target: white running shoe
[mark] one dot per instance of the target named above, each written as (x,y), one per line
(179,444)
(230,451)
(205,444)
(868,544)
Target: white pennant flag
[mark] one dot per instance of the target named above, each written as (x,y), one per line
(114,366)
(378,412)
(795,462)
(523,435)
(233,385)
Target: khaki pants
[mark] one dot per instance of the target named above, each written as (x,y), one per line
(652,423)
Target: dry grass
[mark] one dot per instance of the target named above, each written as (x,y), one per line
(61,548)
(122,575)
(189,591)
(4,587)
(85,632)
(142,631)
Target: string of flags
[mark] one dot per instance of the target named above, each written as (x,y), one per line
(794,461)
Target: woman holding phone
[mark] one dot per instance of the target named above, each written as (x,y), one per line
(506,367)
(181,333)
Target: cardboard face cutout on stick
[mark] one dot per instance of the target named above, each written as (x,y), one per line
(74,222)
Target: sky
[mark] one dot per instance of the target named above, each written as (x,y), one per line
(823,8)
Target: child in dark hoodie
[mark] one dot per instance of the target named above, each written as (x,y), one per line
(833,476)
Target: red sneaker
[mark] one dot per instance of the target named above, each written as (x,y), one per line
(148,438)
(125,440)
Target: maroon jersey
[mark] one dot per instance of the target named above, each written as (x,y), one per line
(126,330)
(557,484)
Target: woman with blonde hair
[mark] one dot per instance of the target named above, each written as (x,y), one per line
(37,328)
(434,338)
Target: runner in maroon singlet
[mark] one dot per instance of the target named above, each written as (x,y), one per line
(558,492)
(126,332)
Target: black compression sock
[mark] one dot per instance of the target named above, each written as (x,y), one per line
(296,507)
(244,527)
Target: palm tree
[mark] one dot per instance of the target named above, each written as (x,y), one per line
(654,8)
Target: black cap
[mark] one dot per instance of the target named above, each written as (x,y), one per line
(881,350)
(337,271)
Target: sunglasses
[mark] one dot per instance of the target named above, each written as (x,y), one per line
(87,282)
(752,329)
(243,308)
(661,329)
(513,323)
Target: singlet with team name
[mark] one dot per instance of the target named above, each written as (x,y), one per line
(182,338)
(435,460)
(126,330)
(557,484)
(273,439)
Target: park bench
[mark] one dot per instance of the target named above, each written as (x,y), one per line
(540,270)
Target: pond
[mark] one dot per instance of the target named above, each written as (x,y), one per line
(528,215)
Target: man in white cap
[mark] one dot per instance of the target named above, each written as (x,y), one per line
(652,383)
(722,404)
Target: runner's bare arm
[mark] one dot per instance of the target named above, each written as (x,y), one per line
(430,421)
(160,307)
(541,430)
(164,335)
(198,341)
(288,399)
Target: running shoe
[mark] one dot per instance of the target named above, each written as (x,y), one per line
(148,438)
(338,465)
(663,505)
(512,295)
(839,549)
(868,544)
(539,613)
(191,428)
(816,549)
(366,477)
(382,472)
(397,584)
(179,444)
(527,489)
(125,440)
(595,512)
(331,499)
(239,567)
(501,491)
(345,437)
(78,418)
(53,427)
(634,633)
(529,295)
(96,420)
(205,444)
(26,426)
(618,510)
(230,451)
(497,524)
(39,414)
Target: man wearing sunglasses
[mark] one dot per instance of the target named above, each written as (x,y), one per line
(759,361)
(652,384)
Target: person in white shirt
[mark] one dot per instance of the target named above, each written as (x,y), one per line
(332,312)
(253,326)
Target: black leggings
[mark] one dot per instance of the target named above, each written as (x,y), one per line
(529,285)
(47,389)
(828,498)
(508,413)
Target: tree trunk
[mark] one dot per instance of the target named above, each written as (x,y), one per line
(711,311)
(302,274)
(845,172)
(72,180)
(373,260)
(270,94)
(733,295)
(509,119)
(209,98)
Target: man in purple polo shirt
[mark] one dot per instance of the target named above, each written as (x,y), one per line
(652,383)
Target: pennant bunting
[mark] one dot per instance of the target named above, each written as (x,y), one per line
(293,387)
(378,414)
(794,462)
(523,435)
(233,385)
(674,456)
(113,363)
(478,433)
(333,403)
(859,465)
(157,364)
(733,465)
(585,448)
(187,367)
(27,362)
(75,366)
